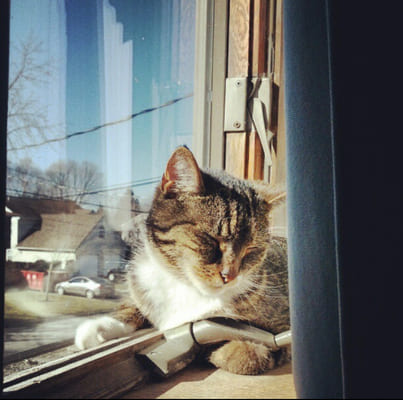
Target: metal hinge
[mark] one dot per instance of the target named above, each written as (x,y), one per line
(235,104)
(248,106)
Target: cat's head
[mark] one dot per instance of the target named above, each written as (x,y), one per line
(208,227)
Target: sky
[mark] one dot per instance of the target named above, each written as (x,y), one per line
(48,95)
(111,59)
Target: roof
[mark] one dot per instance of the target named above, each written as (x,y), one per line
(10,213)
(29,206)
(65,225)
(62,231)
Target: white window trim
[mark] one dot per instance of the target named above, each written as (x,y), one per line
(209,82)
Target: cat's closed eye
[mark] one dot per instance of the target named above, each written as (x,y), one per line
(210,248)
(250,253)
(250,249)
(216,255)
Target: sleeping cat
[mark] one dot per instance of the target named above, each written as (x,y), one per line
(205,250)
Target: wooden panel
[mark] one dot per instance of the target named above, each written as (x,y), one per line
(252,26)
(238,66)
(271,36)
(238,41)
(259,32)
(280,170)
(278,56)
(279,166)
(255,160)
(235,155)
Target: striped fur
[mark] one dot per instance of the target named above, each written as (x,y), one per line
(205,250)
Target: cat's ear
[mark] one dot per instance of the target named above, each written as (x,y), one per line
(182,174)
(276,198)
(274,195)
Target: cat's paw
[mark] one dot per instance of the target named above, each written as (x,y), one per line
(283,356)
(243,357)
(93,332)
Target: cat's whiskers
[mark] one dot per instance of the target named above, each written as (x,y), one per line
(267,288)
(264,285)
(277,230)
(273,274)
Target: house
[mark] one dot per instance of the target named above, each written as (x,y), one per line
(63,235)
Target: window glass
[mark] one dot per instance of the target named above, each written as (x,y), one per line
(100,93)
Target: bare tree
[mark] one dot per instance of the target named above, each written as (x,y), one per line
(86,179)
(58,175)
(61,180)
(27,119)
(24,178)
(73,180)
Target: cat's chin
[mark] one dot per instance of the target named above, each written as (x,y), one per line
(219,290)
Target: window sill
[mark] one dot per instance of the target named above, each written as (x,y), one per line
(111,371)
(107,371)
(198,381)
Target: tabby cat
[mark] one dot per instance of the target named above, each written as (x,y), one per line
(205,250)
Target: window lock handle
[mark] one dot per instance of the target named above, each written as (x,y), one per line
(180,345)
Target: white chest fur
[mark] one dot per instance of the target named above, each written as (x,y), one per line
(169,302)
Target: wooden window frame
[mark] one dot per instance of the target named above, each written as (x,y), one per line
(245,42)
(86,374)
(254,51)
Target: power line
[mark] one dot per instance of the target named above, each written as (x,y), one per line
(118,186)
(95,128)
(140,182)
(137,183)
(35,196)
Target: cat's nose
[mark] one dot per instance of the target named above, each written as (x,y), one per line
(226,277)
(230,264)
(228,274)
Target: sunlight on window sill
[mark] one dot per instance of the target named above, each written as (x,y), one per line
(197,382)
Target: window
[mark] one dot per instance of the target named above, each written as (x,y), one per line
(100,93)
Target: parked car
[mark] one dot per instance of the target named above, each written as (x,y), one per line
(84,286)
(114,271)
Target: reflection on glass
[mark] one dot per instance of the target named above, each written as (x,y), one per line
(100,93)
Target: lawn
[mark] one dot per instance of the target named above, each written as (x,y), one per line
(31,305)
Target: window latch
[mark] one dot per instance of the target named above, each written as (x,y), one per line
(259,108)
(248,106)
(180,345)
(235,104)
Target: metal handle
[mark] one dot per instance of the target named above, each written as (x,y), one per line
(208,331)
(181,344)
